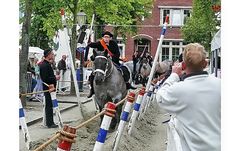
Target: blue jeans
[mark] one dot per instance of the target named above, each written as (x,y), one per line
(34,83)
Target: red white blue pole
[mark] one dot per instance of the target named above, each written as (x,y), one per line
(156,87)
(124,118)
(64,145)
(149,97)
(102,134)
(154,64)
(71,62)
(136,108)
(56,109)
(23,124)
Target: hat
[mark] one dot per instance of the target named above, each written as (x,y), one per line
(107,33)
(46,52)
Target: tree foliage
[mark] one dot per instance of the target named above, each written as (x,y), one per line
(116,12)
(201,26)
(46,18)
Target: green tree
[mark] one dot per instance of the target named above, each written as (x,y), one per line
(44,19)
(23,54)
(201,26)
(116,12)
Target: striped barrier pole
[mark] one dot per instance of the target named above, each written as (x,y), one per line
(67,138)
(156,87)
(44,115)
(23,124)
(124,117)
(135,111)
(56,109)
(71,62)
(164,28)
(149,95)
(102,134)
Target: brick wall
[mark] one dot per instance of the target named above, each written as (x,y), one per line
(154,32)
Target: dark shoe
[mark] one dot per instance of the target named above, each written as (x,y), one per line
(129,86)
(53,126)
(90,94)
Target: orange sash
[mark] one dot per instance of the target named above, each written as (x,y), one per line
(106,48)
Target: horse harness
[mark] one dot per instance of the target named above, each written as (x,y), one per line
(106,69)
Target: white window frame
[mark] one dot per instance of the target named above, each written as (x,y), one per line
(170,46)
(171,8)
(123,55)
(122,44)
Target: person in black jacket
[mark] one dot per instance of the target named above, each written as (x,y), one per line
(111,45)
(62,64)
(135,59)
(114,53)
(47,76)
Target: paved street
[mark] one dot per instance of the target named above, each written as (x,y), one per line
(70,113)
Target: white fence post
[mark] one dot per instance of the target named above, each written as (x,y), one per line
(102,134)
(23,124)
(124,118)
(135,111)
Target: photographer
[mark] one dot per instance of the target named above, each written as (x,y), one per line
(195,102)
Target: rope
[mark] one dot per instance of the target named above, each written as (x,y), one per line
(73,81)
(23,94)
(56,136)
(44,145)
(66,136)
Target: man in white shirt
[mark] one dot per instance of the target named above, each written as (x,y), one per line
(195,102)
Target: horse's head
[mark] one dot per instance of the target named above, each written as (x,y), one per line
(101,64)
(144,63)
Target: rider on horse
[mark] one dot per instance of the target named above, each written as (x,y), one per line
(109,45)
(139,57)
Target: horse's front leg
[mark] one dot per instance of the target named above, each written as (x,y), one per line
(116,119)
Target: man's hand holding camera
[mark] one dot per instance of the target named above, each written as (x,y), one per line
(178,69)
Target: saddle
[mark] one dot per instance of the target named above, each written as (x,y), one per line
(125,71)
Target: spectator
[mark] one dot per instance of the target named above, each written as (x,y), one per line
(31,68)
(135,58)
(62,67)
(47,76)
(194,102)
(62,64)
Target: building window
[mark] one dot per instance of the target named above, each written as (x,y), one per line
(165,43)
(166,12)
(171,49)
(175,53)
(175,43)
(186,14)
(142,45)
(165,53)
(177,17)
(121,47)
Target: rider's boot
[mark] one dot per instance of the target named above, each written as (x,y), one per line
(90,93)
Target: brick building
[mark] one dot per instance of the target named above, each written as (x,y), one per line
(149,32)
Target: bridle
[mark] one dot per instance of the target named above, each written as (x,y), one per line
(105,72)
